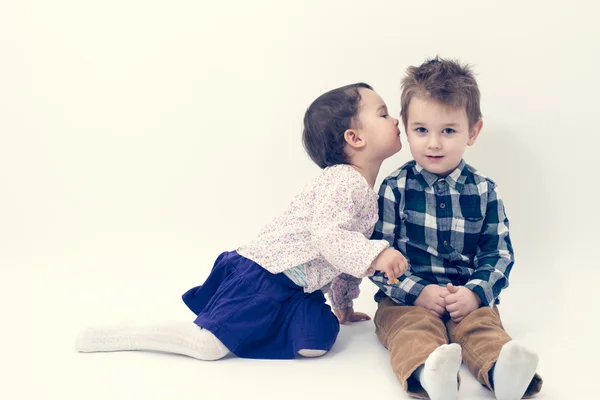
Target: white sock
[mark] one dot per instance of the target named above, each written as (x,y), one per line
(184,338)
(311,353)
(439,374)
(513,371)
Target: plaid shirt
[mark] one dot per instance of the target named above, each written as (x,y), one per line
(451,229)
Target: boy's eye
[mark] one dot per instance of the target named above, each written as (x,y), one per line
(448,130)
(421,130)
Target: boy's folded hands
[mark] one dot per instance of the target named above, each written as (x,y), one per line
(457,301)
(460,302)
(432,297)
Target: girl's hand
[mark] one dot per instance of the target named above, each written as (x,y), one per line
(348,315)
(392,263)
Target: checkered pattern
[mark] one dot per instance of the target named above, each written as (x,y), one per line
(451,229)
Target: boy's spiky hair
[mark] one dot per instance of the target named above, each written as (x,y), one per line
(447,81)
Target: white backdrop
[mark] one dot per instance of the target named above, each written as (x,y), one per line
(139,139)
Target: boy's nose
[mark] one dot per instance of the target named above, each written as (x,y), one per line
(433,142)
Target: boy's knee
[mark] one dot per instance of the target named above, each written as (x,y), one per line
(424,314)
(414,319)
(485,312)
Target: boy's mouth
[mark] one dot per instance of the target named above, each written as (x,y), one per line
(434,157)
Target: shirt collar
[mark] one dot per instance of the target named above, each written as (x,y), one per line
(456,179)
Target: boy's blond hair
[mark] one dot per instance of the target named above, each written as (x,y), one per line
(447,81)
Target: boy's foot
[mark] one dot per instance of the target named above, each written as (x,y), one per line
(439,374)
(184,338)
(513,371)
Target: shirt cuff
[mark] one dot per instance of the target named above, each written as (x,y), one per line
(483,289)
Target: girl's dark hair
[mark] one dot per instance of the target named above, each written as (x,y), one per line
(325,122)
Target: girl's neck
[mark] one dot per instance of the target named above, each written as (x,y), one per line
(368,170)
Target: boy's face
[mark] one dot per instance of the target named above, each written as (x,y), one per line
(438,134)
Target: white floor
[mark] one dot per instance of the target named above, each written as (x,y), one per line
(46,304)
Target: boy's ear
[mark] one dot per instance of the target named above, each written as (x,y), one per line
(353,139)
(474,133)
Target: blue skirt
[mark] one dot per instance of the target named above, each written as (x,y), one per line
(256,314)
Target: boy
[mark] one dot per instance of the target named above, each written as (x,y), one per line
(449,222)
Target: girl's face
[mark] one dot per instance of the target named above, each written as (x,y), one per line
(378,129)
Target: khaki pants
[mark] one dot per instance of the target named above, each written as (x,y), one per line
(412,333)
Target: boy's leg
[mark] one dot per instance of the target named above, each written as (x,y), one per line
(514,371)
(440,373)
(411,334)
(482,337)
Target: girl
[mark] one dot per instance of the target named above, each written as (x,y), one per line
(266,299)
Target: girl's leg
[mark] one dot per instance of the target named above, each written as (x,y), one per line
(312,326)
(308,353)
(185,338)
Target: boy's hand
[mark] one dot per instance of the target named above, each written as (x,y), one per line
(348,315)
(460,302)
(432,297)
(392,263)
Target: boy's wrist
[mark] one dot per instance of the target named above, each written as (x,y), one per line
(479,292)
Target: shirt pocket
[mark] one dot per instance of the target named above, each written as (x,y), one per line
(466,229)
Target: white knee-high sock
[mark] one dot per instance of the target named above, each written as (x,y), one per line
(513,371)
(184,338)
(439,374)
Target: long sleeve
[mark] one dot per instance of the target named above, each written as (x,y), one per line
(344,289)
(389,216)
(338,209)
(387,228)
(494,259)
(404,292)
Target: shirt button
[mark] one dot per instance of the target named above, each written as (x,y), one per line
(442,205)
(445,243)
(442,183)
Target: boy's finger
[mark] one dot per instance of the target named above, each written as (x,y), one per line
(439,310)
(452,288)
(452,307)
